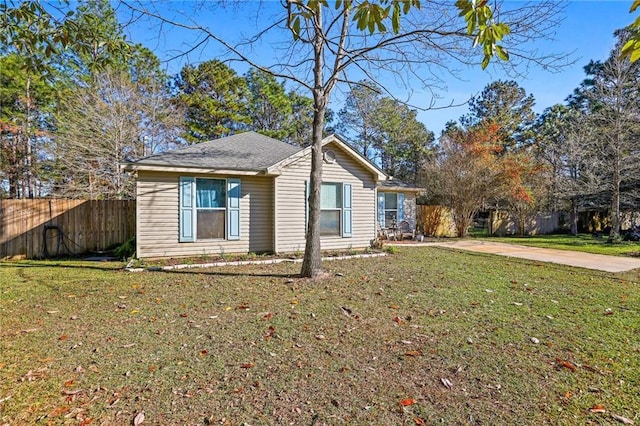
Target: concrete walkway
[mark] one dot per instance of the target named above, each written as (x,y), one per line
(597,262)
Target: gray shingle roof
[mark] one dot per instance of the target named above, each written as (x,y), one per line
(244,151)
(398,185)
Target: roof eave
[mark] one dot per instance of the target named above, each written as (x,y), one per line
(377,172)
(401,189)
(134,167)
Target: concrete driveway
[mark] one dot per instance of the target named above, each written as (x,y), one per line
(597,262)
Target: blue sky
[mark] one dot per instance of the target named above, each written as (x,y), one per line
(587,31)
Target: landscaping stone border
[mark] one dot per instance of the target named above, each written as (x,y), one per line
(246,262)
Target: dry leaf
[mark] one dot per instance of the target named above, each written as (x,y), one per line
(413,353)
(247,365)
(63,337)
(566,364)
(446,382)
(398,320)
(621,419)
(320,336)
(138,419)
(72,392)
(407,402)
(270,333)
(598,409)
(419,421)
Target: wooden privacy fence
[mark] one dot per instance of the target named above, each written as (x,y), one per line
(51,227)
(438,222)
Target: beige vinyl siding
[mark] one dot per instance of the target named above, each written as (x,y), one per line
(291,207)
(157,218)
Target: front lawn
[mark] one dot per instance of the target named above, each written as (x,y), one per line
(583,242)
(424,336)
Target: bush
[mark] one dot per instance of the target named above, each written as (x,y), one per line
(126,250)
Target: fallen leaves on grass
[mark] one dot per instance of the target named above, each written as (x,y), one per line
(407,402)
(621,419)
(566,364)
(270,333)
(138,419)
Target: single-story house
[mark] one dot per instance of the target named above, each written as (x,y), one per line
(248,193)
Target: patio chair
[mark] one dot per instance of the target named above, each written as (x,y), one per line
(405,230)
(385,233)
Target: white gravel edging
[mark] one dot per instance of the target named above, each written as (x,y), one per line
(246,262)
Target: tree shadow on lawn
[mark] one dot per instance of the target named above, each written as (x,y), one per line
(103,266)
(119,267)
(196,271)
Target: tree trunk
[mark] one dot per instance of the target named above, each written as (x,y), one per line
(614,234)
(28,159)
(312,262)
(574,215)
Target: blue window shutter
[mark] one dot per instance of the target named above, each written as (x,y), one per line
(400,207)
(381,209)
(233,209)
(347,210)
(307,194)
(187,209)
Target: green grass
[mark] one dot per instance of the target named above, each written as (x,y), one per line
(257,345)
(582,242)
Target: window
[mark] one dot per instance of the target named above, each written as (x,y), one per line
(335,209)
(209,209)
(390,208)
(330,208)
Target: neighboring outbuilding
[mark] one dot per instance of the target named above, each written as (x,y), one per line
(248,193)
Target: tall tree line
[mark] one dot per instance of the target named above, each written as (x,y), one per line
(578,156)
(386,131)
(78,99)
